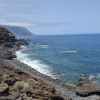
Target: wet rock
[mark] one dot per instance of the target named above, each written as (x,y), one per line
(4,89)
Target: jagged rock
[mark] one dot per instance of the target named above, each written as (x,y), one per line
(4,89)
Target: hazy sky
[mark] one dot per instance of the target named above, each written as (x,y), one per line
(52,16)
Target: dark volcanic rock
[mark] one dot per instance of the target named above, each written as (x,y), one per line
(6,36)
(22,42)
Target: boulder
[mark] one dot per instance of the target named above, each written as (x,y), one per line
(4,89)
(22,86)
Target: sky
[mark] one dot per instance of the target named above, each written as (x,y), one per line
(52,16)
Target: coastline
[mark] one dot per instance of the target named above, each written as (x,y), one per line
(66,91)
(57,84)
(48,87)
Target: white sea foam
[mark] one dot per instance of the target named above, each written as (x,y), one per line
(72,51)
(36,64)
(42,46)
(91,76)
(69,51)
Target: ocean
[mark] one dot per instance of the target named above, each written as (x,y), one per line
(64,57)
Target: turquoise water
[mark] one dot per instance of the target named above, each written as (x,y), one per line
(64,57)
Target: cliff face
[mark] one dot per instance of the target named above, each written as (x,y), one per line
(6,36)
(8,44)
(18,31)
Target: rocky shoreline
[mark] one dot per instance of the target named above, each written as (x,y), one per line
(19,81)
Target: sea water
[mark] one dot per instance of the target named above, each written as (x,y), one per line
(64,57)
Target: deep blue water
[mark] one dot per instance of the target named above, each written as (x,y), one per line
(64,56)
